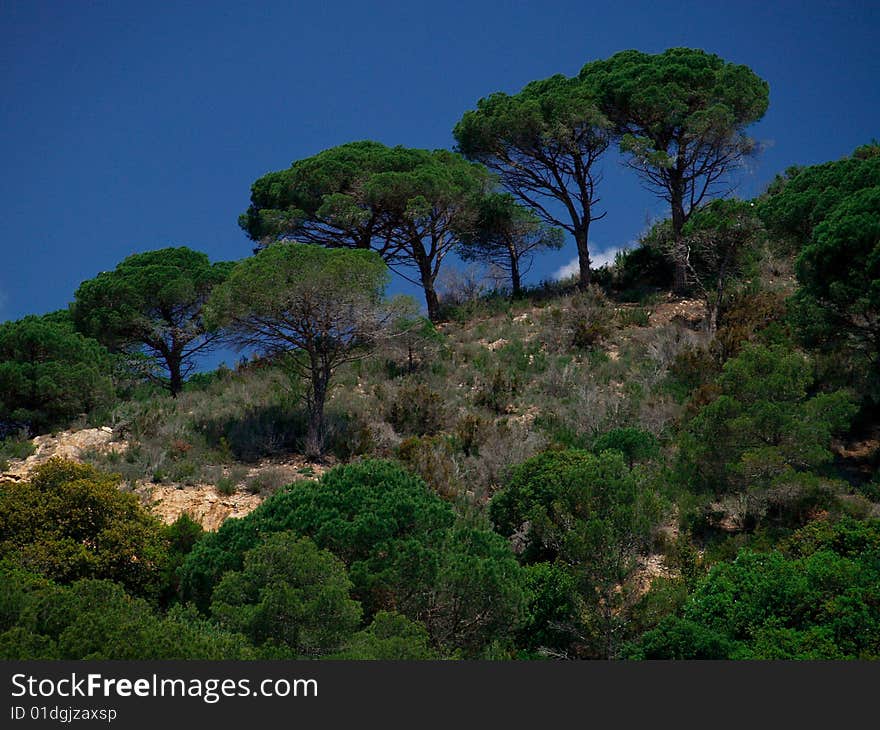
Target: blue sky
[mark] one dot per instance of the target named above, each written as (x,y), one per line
(133,126)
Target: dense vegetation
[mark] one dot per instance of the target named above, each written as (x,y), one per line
(674,456)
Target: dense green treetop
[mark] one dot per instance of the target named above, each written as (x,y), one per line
(289,592)
(404,203)
(764,422)
(326,198)
(390,636)
(70,521)
(594,515)
(399,544)
(370,514)
(820,603)
(840,266)
(808,195)
(544,143)
(96,619)
(552,489)
(681,116)
(154,301)
(49,373)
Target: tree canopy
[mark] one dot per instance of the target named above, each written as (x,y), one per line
(70,521)
(405,204)
(506,236)
(49,373)
(544,143)
(289,592)
(592,514)
(153,301)
(806,196)
(681,117)
(816,600)
(828,213)
(763,423)
(838,303)
(315,307)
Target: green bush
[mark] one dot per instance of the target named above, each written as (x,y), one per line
(49,373)
(96,619)
(635,445)
(70,521)
(374,515)
(763,423)
(288,592)
(821,603)
(417,411)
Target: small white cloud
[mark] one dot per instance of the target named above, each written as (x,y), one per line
(597,261)
(570,269)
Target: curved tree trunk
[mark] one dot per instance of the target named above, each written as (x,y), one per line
(581,239)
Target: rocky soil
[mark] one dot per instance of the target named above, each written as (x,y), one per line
(202,502)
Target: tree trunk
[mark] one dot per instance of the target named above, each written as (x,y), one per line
(679,280)
(432,301)
(515,279)
(315,434)
(176,376)
(581,238)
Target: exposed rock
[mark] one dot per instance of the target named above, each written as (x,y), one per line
(67,445)
(202,503)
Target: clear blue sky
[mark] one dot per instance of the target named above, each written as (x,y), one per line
(129,126)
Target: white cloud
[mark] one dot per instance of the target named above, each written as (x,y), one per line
(597,261)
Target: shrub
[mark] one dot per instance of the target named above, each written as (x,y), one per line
(635,445)
(374,515)
(267,481)
(70,521)
(288,592)
(417,411)
(13,447)
(390,636)
(762,423)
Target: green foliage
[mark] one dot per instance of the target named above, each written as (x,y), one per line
(49,373)
(96,619)
(406,204)
(567,496)
(15,447)
(153,302)
(543,142)
(417,411)
(551,611)
(819,604)
(641,268)
(288,592)
(374,515)
(398,544)
(762,424)
(838,303)
(808,195)
(70,521)
(635,444)
(478,593)
(680,115)
(391,637)
(592,513)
